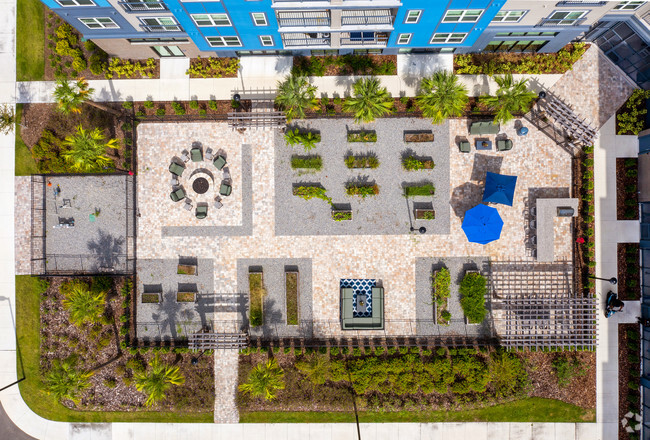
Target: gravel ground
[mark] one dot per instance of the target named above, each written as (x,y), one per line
(386,213)
(275,316)
(170,319)
(246,227)
(424,267)
(88,245)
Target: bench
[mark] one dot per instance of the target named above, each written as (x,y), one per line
(482,128)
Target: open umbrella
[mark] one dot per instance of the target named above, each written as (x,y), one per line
(482,224)
(499,188)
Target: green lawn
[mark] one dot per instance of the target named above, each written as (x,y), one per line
(25,163)
(533,409)
(30,44)
(27,329)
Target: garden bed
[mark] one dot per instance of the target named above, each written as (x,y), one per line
(440,281)
(631,118)
(340,215)
(307,162)
(628,271)
(362,190)
(191,109)
(186,269)
(213,67)
(628,376)
(418,136)
(345,65)
(627,196)
(150,298)
(424,214)
(366,161)
(362,136)
(424,189)
(291,291)
(412,163)
(583,181)
(257,294)
(185,297)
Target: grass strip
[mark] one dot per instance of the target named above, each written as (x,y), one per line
(30,40)
(534,409)
(426,189)
(28,292)
(25,163)
(291,282)
(310,162)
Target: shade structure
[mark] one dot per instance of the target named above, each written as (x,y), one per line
(482,224)
(499,188)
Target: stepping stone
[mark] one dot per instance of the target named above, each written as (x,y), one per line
(629,429)
(637,417)
(629,415)
(624,423)
(637,427)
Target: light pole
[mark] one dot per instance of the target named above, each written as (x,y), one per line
(422,229)
(611,280)
(195,360)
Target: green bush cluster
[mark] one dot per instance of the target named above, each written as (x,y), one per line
(491,64)
(339,216)
(472,297)
(362,136)
(213,67)
(631,118)
(423,189)
(587,206)
(178,107)
(440,293)
(312,192)
(47,153)
(344,65)
(367,161)
(130,69)
(307,139)
(631,172)
(412,163)
(66,43)
(566,369)
(362,189)
(310,162)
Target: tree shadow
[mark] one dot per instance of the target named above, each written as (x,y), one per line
(464,197)
(484,163)
(107,249)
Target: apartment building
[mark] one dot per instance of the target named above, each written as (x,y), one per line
(187,28)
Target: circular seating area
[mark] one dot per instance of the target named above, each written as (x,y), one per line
(200,178)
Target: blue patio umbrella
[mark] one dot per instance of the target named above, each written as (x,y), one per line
(499,188)
(482,224)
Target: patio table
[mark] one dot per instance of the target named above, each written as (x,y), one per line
(361,303)
(480,144)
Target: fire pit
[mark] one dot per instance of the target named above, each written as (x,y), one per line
(201,185)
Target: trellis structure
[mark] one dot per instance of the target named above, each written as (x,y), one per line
(536,305)
(579,130)
(262,113)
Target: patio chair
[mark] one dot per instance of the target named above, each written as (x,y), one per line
(177,195)
(176,169)
(196,154)
(201,211)
(185,156)
(219,162)
(504,145)
(208,154)
(225,189)
(464,147)
(217,203)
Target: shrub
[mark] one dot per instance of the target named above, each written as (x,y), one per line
(194,104)
(312,192)
(566,369)
(631,173)
(148,104)
(424,189)
(160,112)
(362,136)
(441,283)
(362,189)
(632,117)
(308,139)
(127,105)
(507,374)
(213,67)
(339,216)
(213,105)
(411,163)
(311,162)
(179,109)
(472,290)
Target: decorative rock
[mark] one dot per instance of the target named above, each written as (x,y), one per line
(637,427)
(637,417)
(629,415)
(624,422)
(629,429)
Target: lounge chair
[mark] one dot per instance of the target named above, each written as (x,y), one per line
(177,195)
(504,145)
(219,162)
(196,154)
(201,211)
(464,147)
(225,189)
(176,169)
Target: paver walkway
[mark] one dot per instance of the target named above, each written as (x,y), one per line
(226,369)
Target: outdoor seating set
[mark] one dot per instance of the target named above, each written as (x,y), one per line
(201,184)
(483,129)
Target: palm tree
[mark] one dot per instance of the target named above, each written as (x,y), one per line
(65,381)
(265,380)
(155,382)
(511,97)
(70,95)
(87,151)
(84,305)
(295,95)
(316,369)
(370,100)
(443,96)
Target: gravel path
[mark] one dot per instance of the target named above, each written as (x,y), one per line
(386,213)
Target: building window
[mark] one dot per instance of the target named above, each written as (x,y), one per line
(404,38)
(628,5)
(168,51)
(508,16)
(157,40)
(160,24)
(142,5)
(565,17)
(515,46)
(266,40)
(259,18)
(413,16)
(211,19)
(75,3)
(525,34)
(462,16)
(99,23)
(224,41)
(448,38)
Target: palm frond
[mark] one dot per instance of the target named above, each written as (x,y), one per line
(443,97)
(370,101)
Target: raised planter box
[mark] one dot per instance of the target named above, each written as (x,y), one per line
(418,136)
(425,214)
(292,297)
(257,294)
(414,190)
(467,321)
(362,190)
(438,310)
(187,269)
(361,162)
(150,298)
(341,215)
(182,297)
(362,136)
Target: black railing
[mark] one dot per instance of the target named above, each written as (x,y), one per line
(293,22)
(161,27)
(366,20)
(291,42)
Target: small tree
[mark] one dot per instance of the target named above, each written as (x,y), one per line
(64,381)
(295,95)
(7,119)
(156,381)
(472,290)
(83,304)
(70,95)
(442,97)
(370,101)
(265,380)
(511,97)
(87,151)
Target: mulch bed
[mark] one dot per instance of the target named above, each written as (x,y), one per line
(222,109)
(627,196)
(628,373)
(97,348)
(628,271)
(584,225)
(333,70)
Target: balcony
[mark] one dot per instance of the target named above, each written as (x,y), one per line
(161,27)
(560,22)
(364,39)
(303,18)
(367,17)
(306,39)
(137,5)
